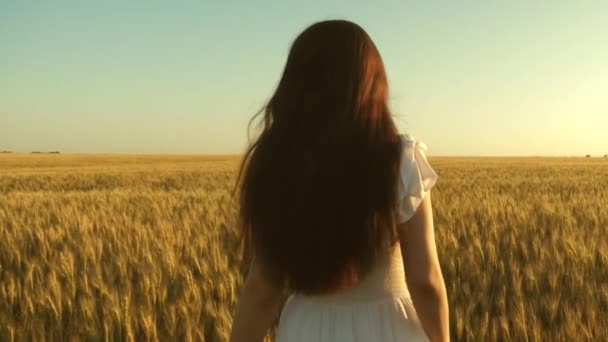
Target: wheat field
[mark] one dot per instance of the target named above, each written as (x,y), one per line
(132,248)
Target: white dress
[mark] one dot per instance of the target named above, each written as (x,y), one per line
(379,308)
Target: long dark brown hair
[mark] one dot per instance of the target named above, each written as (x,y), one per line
(317,187)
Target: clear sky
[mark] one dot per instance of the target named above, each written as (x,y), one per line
(465,77)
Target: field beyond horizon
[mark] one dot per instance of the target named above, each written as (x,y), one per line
(143,247)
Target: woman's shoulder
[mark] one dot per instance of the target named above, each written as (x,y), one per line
(416,176)
(406,137)
(408,141)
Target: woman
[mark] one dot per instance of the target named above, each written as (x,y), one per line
(335,206)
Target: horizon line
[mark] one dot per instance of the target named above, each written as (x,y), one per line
(193,154)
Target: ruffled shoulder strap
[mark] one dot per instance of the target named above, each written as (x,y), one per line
(416,177)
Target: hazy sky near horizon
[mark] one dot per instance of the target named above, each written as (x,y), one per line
(467,78)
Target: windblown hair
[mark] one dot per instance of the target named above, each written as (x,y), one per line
(317,188)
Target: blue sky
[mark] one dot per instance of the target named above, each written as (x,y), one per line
(467,78)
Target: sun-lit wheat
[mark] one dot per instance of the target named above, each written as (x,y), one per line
(145,248)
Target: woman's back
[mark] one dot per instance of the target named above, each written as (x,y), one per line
(379,307)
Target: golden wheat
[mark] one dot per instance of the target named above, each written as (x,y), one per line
(145,247)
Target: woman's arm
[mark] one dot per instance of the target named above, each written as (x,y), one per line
(258,306)
(423,273)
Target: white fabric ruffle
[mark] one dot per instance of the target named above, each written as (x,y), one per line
(416,177)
